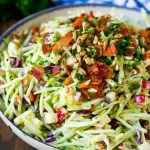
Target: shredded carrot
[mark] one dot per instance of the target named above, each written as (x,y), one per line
(68,81)
(111,50)
(32,97)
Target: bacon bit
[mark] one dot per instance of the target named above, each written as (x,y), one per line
(96,79)
(146,55)
(34,29)
(32,97)
(46,48)
(100,89)
(78,22)
(61,115)
(137,70)
(139,99)
(14,36)
(68,69)
(15,62)
(18,99)
(100,49)
(37,72)
(134,43)
(85,93)
(65,41)
(145,85)
(103,22)
(148,68)
(129,52)
(2,72)
(91,15)
(143,33)
(111,50)
(68,80)
(84,112)
(35,33)
(1,82)
(56,70)
(97,28)
(85,87)
(93,69)
(103,70)
(124,30)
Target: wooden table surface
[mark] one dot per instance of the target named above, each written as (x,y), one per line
(8,140)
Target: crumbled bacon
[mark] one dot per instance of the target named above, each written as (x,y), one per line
(145,33)
(37,72)
(97,73)
(15,62)
(124,30)
(34,29)
(68,69)
(46,48)
(78,22)
(56,70)
(14,36)
(100,69)
(146,55)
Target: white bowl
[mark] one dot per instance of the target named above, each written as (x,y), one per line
(44,16)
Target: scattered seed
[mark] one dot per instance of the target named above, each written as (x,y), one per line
(117,36)
(95,41)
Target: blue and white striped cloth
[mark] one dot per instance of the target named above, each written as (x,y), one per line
(124,3)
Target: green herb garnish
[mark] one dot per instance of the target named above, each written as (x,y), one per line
(92,52)
(80,76)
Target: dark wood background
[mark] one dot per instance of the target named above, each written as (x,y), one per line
(9,141)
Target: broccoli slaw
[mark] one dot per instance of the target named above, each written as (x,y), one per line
(79,82)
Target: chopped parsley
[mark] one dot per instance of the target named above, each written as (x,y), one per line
(56,37)
(114,26)
(92,52)
(107,60)
(122,46)
(80,76)
(91,30)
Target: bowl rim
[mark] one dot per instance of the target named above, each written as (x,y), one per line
(32,16)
